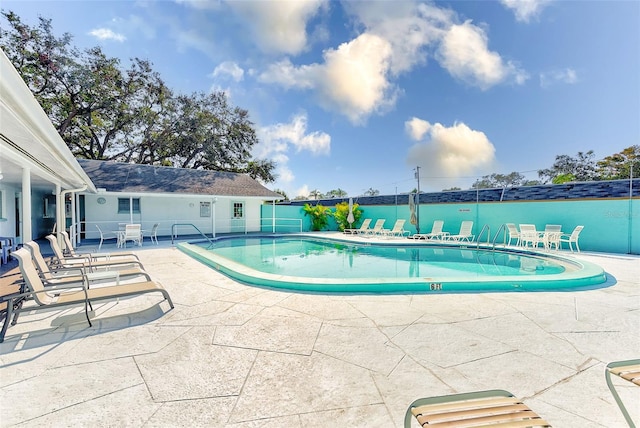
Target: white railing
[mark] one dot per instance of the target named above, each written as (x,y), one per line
(177,227)
(280,225)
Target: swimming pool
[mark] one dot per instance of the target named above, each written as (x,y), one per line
(329,265)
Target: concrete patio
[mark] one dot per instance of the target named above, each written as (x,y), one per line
(231,355)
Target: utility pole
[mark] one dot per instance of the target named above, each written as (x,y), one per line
(418,201)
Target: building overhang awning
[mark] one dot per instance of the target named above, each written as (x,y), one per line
(28,139)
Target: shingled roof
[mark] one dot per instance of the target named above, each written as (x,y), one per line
(543,192)
(134,178)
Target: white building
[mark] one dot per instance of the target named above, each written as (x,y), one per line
(181,200)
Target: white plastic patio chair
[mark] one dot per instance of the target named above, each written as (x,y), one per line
(572,238)
(132,232)
(513,233)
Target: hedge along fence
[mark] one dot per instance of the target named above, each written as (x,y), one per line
(610,225)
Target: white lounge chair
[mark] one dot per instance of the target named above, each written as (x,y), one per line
(88,262)
(397,230)
(377,227)
(465,234)
(62,275)
(363,228)
(70,251)
(436,232)
(572,238)
(57,296)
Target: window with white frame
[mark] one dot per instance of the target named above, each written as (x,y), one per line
(238,210)
(205,209)
(124,206)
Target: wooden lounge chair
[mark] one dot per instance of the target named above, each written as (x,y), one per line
(363,227)
(56,296)
(628,370)
(436,232)
(62,275)
(474,409)
(88,262)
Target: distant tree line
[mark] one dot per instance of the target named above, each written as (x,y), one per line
(105,112)
(566,168)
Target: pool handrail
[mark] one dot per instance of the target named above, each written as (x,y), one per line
(500,229)
(173,234)
(488,229)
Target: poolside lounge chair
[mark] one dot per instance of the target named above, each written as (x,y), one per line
(397,230)
(513,233)
(572,238)
(62,275)
(465,232)
(628,370)
(376,229)
(51,297)
(363,228)
(436,232)
(88,262)
(70,251)
(474,409)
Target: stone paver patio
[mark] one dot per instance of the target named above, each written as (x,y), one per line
(231,355)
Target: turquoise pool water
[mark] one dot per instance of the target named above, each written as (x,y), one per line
(306,263)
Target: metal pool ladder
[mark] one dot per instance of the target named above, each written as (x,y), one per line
(173,234)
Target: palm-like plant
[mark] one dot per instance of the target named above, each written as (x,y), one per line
(319,215)
(342,213)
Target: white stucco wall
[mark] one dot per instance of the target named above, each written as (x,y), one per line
(171,210)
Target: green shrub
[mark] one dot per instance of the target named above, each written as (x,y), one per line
(319,215)
(341,214)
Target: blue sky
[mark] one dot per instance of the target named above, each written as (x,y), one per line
(356,94)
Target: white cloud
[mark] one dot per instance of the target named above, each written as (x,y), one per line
(450,152)
(276,141)
(416,128)
(230,69)
(279,26)
(465,54)
(107,34)
(567,76)
(525,10)
(302,191)
(285,74)
(356,79)
(352,80)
